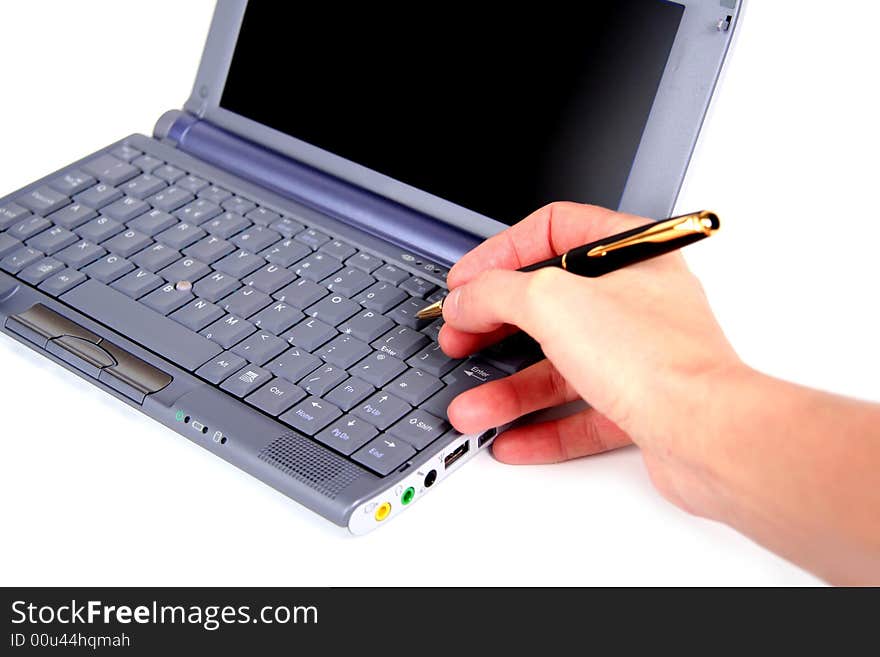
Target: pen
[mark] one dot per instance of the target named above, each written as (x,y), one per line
(618,251)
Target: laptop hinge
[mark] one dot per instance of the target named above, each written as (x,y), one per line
(381,217)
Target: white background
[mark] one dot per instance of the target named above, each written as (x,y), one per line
(91,492)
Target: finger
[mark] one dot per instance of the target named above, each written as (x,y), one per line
(548,232)
(459,344)
(504,400)
(582,434)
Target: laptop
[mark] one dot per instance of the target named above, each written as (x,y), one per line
(249,275)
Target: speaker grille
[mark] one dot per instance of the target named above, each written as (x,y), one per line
(314,466)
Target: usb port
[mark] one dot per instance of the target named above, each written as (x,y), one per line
(485,437)
(460,451)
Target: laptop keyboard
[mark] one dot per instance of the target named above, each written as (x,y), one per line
(295,322)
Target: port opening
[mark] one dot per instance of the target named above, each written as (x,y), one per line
(383,511)
(486,436)
(430,478)
(459,451)
(408,495)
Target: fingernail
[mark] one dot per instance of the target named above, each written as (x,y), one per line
(450,305)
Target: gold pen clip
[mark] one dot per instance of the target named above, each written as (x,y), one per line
(704,223)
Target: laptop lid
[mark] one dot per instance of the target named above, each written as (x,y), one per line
(474,120)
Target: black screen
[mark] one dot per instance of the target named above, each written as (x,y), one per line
(500,114)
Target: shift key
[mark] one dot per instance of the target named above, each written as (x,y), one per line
(142,325)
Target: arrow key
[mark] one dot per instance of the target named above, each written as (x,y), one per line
(382,409)
(384,454)
(311,415)
(347,434)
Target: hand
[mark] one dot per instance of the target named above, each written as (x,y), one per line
(640,345)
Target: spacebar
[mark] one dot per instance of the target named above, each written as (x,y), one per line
(141,325)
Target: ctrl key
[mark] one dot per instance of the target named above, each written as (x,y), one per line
(384,454)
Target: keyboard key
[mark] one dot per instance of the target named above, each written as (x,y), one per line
(432,330)
(147,163)
(111,170)
(8,244)
(338,249)
(365,262)
(138,323)
(100,229)
(391,274)
(78,255)
(228,331)
(317,266)
(167,299)
(348,282)
(293,364)
(381,297)
(311,415)
(126,209)
(310,334)
(185,269)
(418,287)
(436,295)
(382,409)
(346,434)
(127,243)
(226,225)
(125,152)
(366,326)
(170,199)
(432,360)
(197,314)
(513,353)
(245,302)
(43,200)
(276,396)
(215,194)
(198,212)
(215,287)
(286,253)
(19,259)
(344,351)
(270,279)
(384,454)
(322,380)
(153,222)
(138,283)
(301,294)
(401,342)
(192,184)
(312,238)
(62,281)
(238,205)
(156,257)
(246,380)
(405,313)
(419,428)
(181,235)
(52,240)
(210,249)
(168,173)
(256,238)
(221,367)
(260,347)
(333,309)
(73,216)
(469,374)
(349,393)
(72,182)
(263,217)
(109,268)
(11,213)
(415,386)
(143,186)
(378,368)
(29,227)
(40,270)
(277,317)
(98,196)
(240,264)
(287,227)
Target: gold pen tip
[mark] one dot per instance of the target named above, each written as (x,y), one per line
(431,312)
(709,221)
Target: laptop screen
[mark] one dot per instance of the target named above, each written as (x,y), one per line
(499,114)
